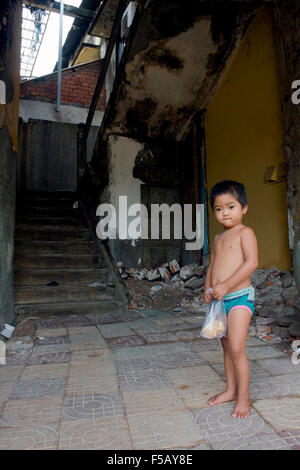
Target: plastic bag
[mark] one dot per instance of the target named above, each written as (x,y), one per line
(215,322)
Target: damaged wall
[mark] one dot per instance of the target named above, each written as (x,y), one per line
(10,40)
(172,64)
(286,15)
(122,153)
(244,137)
(173,61)
(245,117)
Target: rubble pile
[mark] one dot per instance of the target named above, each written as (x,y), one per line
(277,304)
(167,287)
(173,288)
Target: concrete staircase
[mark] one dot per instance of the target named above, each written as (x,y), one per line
(56,259)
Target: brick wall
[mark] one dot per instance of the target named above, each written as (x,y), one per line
(77,87)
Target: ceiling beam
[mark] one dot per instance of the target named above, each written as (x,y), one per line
(69,10)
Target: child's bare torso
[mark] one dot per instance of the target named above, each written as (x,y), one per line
(228,257)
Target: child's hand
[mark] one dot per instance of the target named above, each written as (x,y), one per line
(207,295)
(219,291)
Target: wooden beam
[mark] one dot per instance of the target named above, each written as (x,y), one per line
(69,10)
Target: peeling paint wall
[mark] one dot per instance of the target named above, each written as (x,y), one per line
(122,153)
(10,30)
(172,65)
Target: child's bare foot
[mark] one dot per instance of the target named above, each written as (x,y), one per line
(242,408)
(223,397)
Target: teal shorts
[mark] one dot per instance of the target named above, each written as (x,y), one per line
(243,298)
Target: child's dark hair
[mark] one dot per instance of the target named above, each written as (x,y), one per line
(229,187)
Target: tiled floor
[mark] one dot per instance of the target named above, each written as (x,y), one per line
(141,380)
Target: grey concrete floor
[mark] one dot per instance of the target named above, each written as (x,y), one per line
(141,380)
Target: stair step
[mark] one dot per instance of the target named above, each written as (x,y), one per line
(78,308)
(56,219)
(31,277)
(58,225)
(45,204)
(46,195)
(52,235)
(40,295)
(58,261)
(33,211)
(40,246)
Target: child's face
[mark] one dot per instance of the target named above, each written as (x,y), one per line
(228,210)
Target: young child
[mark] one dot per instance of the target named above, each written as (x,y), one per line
(234,258)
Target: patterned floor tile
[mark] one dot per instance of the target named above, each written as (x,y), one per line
(29,437)
(182,359)
(45,371)
(5,391)
(156,431)
(116,330)
(160,337)
(212,356)
(224,432)
(38,388)
(10,374)
(87,346)
(133,352)
(48,358)
(90,386)
(195,385)
(261,352)
(16,359)
(291,438)
(256,371)
(143,380)
(106,434)
(142,363)
(45,332)
(106,318)
(182,376)
(139,402)
(253,341)
(81,369)
(41,411)
(88,338)
(93,406)
(47,340)
(50,348)
(170,348)
(282,413)
(62,322)
(126,341)
(183,335)
(157,329)
(82,330)
(161,361)
(279,366)
(94,355)
(206,345)
(274,386)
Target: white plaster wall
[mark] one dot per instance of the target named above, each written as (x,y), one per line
(29,109)
(123,152)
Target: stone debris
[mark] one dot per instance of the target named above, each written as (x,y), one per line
(173,288)
(276,304)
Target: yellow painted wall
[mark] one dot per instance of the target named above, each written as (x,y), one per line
(244,136)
